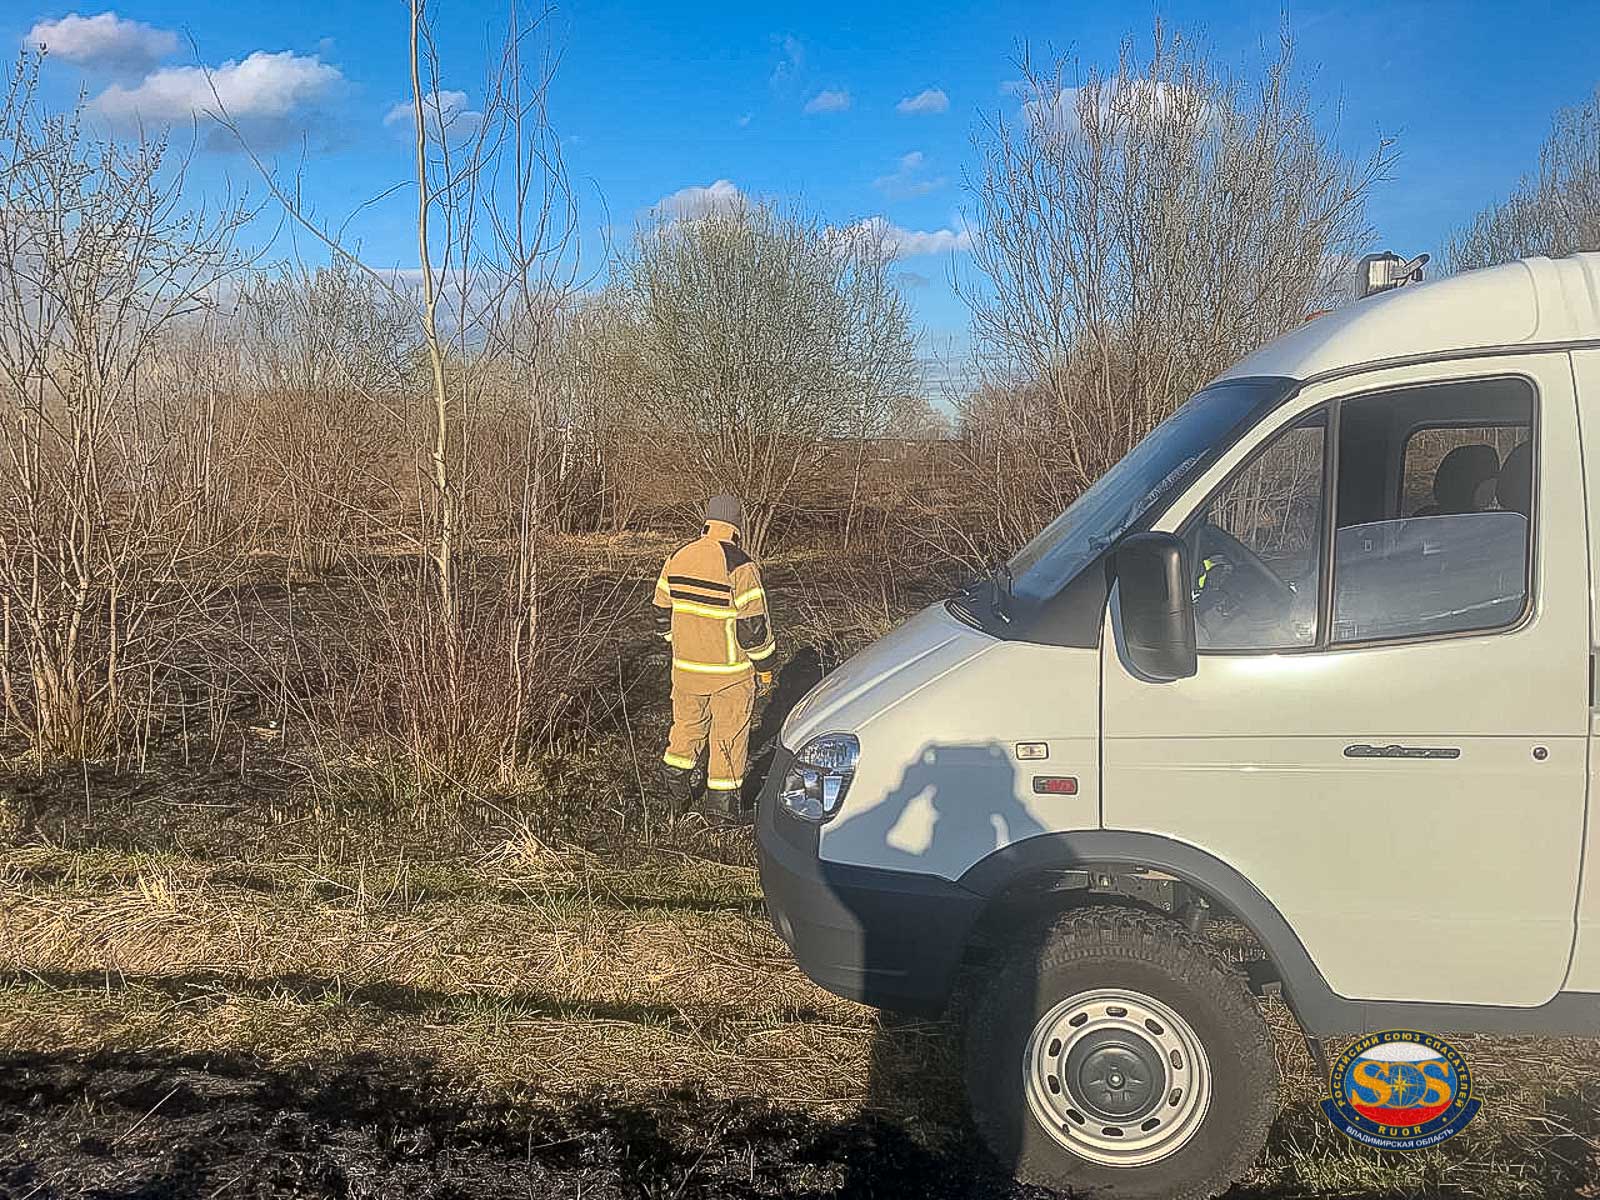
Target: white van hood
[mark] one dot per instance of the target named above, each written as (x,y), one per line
(877,678)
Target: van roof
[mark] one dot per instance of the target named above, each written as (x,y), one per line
(1523,304)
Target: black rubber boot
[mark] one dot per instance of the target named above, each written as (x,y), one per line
(715,808)
(678,785)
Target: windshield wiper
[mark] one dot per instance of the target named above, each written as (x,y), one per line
(1000,595)
(997,581)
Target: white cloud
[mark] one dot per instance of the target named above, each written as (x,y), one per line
(1116,105)
(927,102)
(909,178)
(829,100)
(744,121)
(693,203)
(105,40)
(439,109)
(908,243)
(264,87)
(1056,114)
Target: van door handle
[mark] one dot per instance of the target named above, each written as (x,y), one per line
(1361,750)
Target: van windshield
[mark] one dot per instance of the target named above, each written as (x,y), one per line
(1146,476)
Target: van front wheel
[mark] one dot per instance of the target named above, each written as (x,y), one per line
(1121,1056)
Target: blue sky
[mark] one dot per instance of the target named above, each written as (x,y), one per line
(852,110)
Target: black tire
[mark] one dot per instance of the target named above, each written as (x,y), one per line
(1124,948)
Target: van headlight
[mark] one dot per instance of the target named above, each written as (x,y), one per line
(815,784)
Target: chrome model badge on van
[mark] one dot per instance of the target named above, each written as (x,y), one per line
(1400,1090)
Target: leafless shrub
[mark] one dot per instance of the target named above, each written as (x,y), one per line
(1554,211)
(459,418)
(760,343)
(1137,230)
(101,532)
(624,465)
(362,681)
(197,377)
(331,359)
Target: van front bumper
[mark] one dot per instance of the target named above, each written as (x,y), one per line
(892,939)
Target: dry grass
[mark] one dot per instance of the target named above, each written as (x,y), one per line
(532,972)
(522,969)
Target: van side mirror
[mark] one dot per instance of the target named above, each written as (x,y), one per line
(1156,606)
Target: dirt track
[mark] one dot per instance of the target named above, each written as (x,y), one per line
(142,1125)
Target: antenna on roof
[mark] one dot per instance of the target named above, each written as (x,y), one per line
(1384,272)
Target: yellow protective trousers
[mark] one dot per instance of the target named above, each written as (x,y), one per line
(720,719)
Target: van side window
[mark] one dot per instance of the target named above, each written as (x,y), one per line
(1256,547)
(1434,510)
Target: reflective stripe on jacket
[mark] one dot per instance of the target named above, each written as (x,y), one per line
(718,610)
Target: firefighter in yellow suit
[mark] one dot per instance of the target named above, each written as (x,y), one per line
(711,606)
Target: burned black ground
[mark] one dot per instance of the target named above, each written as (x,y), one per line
(140,1125)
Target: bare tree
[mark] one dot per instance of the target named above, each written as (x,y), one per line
(1555,211)
(471,666)
(98,259)
(1137,230)
(762,340)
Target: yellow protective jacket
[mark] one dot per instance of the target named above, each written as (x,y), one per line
(710,595)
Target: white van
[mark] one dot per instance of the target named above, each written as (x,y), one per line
(1318,657)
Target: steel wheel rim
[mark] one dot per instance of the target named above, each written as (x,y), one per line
(1116,1077)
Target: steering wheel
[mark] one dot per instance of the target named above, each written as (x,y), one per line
(1231,579)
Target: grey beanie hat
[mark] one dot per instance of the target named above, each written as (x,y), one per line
(725,508)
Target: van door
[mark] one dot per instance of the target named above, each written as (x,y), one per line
(1387,730)
(1585,974)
